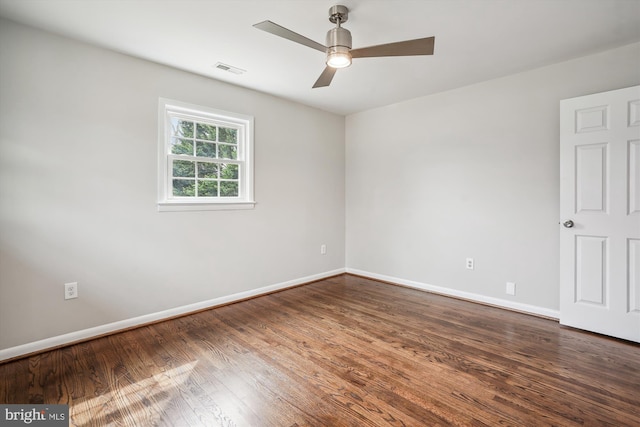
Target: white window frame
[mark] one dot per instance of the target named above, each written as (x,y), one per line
(168,108)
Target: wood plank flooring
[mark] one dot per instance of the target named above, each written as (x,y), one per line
(345,351)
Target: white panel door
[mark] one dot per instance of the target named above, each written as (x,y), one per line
(600,213)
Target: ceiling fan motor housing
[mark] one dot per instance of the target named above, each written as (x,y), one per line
(339,37)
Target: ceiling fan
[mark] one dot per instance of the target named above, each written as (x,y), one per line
(338,48)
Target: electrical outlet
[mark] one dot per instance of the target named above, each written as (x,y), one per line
(323,249)
(71,290)
(511,288)
(469,264)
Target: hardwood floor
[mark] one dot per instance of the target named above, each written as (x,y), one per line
(345,351)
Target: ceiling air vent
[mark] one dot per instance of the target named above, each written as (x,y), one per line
(229,68)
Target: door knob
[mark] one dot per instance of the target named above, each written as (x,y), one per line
(568,224)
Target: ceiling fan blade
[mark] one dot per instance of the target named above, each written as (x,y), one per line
(325,78)
(406,48)
(273,28)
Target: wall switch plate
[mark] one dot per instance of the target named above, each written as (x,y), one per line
(469,264)
(511,288)
(71,290)
(323,249)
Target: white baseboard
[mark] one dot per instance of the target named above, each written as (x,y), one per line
(511,305)
(82,335)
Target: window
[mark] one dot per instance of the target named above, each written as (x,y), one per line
(204,158)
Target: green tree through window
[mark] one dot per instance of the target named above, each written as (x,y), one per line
(195,172)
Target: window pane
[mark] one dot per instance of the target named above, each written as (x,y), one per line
(207,132)
(184,187)
(182,146)
(207,188)
(228,135)
(228,171)
(184,168)
(181,128)
(205,149)
(228,151)
(207,170)
(229,189)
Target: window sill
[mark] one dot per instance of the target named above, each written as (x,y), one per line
(191,206)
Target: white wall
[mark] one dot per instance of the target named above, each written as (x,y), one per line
(472,172)
(78,141)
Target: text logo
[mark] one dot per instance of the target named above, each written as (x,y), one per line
(34,415)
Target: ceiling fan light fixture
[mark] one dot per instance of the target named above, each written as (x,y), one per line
(338,57)
(339,45)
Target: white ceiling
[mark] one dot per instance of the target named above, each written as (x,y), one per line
(476,40)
